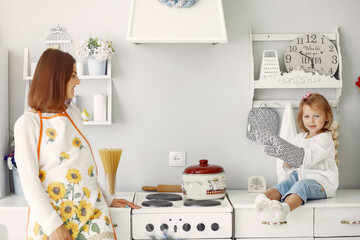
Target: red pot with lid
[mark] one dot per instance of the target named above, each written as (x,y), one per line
(204,181)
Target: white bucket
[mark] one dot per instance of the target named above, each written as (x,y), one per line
(96,67)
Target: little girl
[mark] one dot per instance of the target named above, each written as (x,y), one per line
(310,161)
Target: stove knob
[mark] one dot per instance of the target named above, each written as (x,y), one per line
(186,227)
(164,227)
(200,227)
(149,227)
(214,226)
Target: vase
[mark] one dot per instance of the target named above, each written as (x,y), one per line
(96,67)
(17,184)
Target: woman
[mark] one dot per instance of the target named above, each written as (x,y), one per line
(55,161)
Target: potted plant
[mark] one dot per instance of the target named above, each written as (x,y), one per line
(97,51)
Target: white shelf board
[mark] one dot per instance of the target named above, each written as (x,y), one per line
(81,77)
(153,22)
(282,103)
(96,122)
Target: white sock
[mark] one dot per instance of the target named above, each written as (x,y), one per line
(280,210)
(261,202)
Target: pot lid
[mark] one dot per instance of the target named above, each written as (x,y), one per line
(203,168)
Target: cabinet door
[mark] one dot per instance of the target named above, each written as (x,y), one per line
(334,222)
(121,221)
(249,224)
(13,224)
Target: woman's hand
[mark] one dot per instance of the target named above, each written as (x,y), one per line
(123,203)
(61,233)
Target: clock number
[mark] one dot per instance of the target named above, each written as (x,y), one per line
(288,58)
(311,38)
(293,48)
(331,71)
(331,48)
(300,41)
(322,40)
(290,69)
(334,61)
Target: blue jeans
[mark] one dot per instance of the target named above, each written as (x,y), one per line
(306,189)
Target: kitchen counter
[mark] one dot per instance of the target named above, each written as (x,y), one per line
(14,213)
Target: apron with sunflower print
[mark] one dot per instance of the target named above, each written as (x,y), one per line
(66,171)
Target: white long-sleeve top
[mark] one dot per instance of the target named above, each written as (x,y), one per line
(26,134)
(319,161)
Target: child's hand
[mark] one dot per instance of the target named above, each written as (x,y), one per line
(280,148)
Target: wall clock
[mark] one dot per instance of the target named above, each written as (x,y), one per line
(312,53)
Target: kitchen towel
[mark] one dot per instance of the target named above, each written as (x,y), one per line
(287,132)
(99,107)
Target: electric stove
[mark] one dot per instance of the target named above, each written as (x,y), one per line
(177,217)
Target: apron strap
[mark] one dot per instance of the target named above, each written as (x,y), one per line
(40,134)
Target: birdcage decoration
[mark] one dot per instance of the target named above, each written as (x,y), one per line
(58,39)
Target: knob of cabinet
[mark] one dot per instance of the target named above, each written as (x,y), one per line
(186,227)
(214,226)
(164,227)
(149,227)
(200,227)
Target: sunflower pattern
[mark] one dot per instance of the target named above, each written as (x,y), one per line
(52,134)
(70,201)
(107,220)
(73,176)
(86,192)
(56,191)
(81,208)
(63,156)
(42,175)
(67,210)
(90,171)
(77,143)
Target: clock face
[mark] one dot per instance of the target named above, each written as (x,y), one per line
(312,53)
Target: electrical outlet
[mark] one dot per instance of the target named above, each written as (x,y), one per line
(177,159)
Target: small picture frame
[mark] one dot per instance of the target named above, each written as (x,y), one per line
(256,184)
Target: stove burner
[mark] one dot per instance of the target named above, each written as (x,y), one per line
(157,203)
(201,203)
(164,196)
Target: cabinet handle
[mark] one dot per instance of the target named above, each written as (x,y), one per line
(115,225)
(350,222)
(273,223)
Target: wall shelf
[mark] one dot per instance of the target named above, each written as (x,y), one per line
(297,79)
(27,78)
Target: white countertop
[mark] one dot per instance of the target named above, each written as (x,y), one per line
(18,203)
(343,198)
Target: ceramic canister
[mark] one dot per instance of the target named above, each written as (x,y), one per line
(204,181)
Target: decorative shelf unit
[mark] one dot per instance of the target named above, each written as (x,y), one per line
(296,79)
(87,78)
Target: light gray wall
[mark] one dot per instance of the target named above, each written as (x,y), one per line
(186,97)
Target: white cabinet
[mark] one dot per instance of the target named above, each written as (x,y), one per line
(14,215)
(320,219)
(89,85)
(284,85)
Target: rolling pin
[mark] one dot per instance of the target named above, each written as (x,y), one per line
(163,188)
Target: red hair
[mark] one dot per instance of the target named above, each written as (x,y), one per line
(48,88)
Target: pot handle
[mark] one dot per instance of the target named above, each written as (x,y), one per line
(189,182)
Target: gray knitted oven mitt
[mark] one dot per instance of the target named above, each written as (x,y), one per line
(277,147)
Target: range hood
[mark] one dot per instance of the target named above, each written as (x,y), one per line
(151,21)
